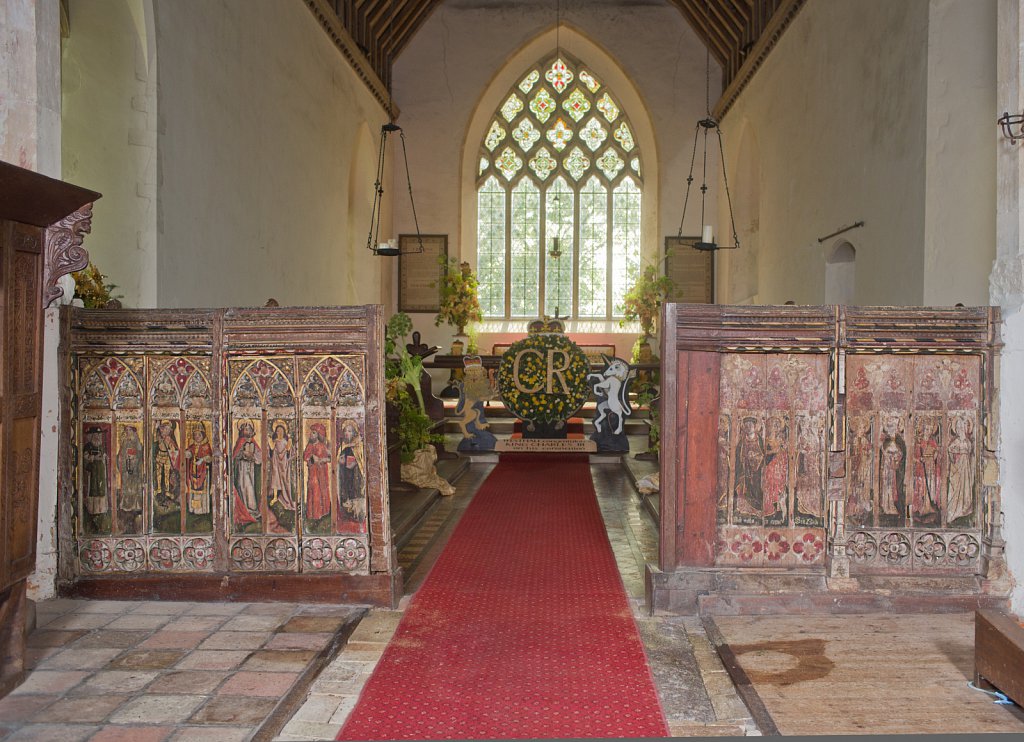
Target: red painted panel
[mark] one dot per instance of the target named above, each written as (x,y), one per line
(699,473)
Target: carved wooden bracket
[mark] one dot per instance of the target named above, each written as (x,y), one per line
(64,251)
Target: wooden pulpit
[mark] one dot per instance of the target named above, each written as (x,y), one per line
(42,224)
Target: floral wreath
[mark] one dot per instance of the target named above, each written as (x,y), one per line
(540,406)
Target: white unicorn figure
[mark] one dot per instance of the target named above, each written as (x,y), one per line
(611,387)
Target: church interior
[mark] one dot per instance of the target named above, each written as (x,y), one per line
(425,369)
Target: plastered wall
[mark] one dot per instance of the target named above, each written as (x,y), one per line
(868,110)
(261,125)
(108,86)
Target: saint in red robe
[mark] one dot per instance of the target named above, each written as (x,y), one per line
(317,457)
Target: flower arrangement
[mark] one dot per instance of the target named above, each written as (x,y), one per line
(460,303)
(531,372)
(644,298)
(91,287)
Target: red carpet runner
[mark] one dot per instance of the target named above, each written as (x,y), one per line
(521,630)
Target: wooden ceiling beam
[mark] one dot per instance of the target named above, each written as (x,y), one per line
(703,30)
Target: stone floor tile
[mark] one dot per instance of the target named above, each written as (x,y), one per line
(298,641)
(81,621)
(310,730)
(729,707)
(313,624)
(213,659)
(188,681)
(23,706)
(157,709)
(111,638)
(252,623)
(692,729)
(279,660)
(319,707)
(106,682)
(261,684)
(131,733)
(235,640)
(147,659)
(174,640)
(53,638)
(50,681)
(162,607)
(80,709)
(350,686)
(376,626)
(216,609)
(36,655)
(189,622)
(362,655)
(59,605)
(80,659)
(139,621)
(235,710)
(212,734)
(328,609)
(52,733)
(270,609)
(106,606)
(344,709)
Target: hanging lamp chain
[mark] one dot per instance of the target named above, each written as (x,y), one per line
(373,238)
(708,123)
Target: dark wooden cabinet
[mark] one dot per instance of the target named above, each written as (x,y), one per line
(42,222)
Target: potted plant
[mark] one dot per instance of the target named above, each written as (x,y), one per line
(643,301)
(460,303)
(402,371)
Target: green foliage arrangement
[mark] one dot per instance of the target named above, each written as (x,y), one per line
(402,371)
(91,287)
(647,394)
(644,298)
(460,302)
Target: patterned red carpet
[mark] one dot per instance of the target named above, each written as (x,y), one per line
(522,629)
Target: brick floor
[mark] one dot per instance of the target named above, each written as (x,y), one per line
(147,671)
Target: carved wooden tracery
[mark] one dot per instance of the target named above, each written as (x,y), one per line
(64,251)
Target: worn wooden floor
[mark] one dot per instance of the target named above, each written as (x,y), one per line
(866,674)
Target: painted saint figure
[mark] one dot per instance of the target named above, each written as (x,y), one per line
(808,468)
(246,462)
(858,503)
(94,466)
(749,463)
(960,457)
(129,465)
(166,473)
(198,458)
(280,468)
(317,457)
(775,478)
(892,466)
(925,501)
(350,472)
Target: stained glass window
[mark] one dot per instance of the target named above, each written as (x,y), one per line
(558,209)
(526,135)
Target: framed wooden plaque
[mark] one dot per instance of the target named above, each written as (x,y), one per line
(419,274)
(692,272)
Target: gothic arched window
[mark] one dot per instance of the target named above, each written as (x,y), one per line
(558,198)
